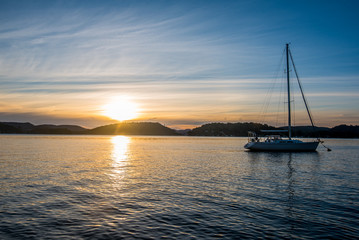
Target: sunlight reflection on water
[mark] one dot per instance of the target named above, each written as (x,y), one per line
(120,155)
(119,187)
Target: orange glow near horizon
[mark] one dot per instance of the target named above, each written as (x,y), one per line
(121,109)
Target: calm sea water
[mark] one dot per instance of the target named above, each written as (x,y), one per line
(103,187)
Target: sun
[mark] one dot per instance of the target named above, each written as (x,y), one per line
(121,109)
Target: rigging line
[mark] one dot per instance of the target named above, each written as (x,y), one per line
(268,96)
(268,99)
(305,101)
(293,102)
(280,99)
(301,90)
(294,111)
(285,109)
(278,106)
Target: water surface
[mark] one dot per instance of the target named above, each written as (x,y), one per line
(103,187)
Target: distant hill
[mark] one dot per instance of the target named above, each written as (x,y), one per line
(345,131)
(133,128)
(151,128)
(5,128)
(228,129)
(308,131)
(28,128)
(127,128)
(241,130)
(183,132)
(57,129)
(22,127)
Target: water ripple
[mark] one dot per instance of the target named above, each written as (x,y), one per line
(174,188)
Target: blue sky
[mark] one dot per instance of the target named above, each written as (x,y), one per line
(184,63)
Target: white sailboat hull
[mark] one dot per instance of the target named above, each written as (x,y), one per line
(275,142)
(282,146)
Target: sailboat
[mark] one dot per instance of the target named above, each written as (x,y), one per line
(274,142)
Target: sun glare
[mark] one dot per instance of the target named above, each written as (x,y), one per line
(121,109)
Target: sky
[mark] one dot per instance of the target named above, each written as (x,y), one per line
(183,63)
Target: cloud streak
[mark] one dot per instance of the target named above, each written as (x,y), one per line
(182,62)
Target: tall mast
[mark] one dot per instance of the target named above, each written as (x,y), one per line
(288,88)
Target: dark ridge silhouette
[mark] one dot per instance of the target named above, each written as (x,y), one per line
(28,128)
(5,128)
(151,128)
(183,132)
(133,128)
(73,128)
(228,129)
(57,129)
(23,127)
(345,131)
(309,131)
(241,130)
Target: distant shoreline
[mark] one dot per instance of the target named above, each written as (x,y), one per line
(175,136)
(157,129)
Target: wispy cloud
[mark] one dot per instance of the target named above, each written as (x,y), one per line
(182,62)
(104,45)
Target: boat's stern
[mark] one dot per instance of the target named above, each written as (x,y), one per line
(252,140)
